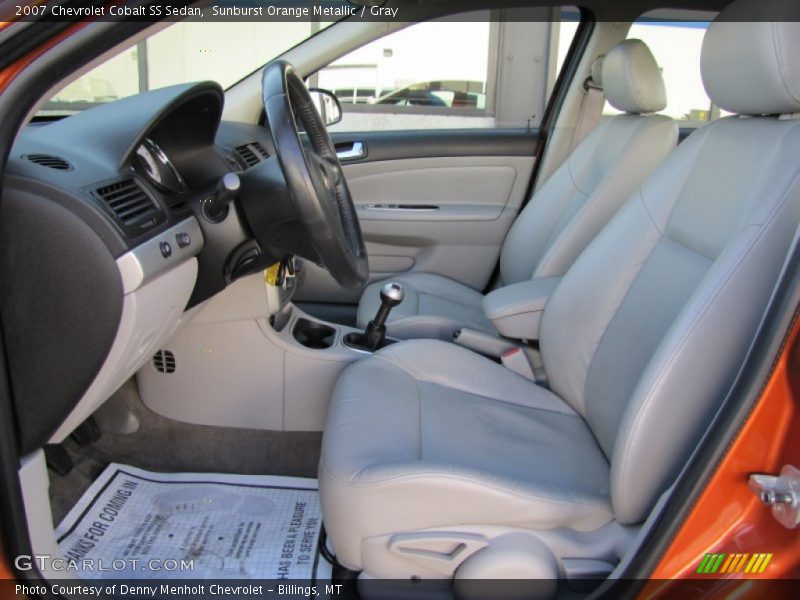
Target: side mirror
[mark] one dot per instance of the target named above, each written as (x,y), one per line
(327,104)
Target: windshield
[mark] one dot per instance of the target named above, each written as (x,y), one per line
(184,52)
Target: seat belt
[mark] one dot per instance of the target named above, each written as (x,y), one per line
(591,104)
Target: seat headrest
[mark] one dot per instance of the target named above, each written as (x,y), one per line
(753,68)
(632,80)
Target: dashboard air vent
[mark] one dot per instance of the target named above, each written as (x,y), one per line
(258,146)
(49,161)
(233,162)
(127,201)
(164,361)
(251,154)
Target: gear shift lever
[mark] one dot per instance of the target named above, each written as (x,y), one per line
(392,294)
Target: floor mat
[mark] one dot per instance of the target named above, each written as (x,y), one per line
(133,524)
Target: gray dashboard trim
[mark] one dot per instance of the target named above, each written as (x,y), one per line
(147,261)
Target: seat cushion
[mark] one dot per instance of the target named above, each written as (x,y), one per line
(427,434)
(433,307)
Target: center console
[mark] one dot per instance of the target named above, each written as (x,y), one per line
(320,335)
(250,358)
(293,325)
(314,334)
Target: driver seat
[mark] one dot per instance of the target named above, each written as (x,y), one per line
(564,215)
(438,462)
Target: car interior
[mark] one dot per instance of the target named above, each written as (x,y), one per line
(492,351)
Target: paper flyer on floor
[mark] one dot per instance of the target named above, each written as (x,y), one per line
(134,524)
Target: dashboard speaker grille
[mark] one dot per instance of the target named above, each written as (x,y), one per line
(251,154)
(164,362)
(127,201)
(49,161)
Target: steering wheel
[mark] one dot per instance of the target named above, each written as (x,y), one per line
(314,178)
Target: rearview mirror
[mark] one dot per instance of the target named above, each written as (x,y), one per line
(327,105)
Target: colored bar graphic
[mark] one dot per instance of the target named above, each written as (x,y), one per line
(729,562)
(703,563)
(767,558)
(710,564)
(753,564)
(725,564)
(740,565)
(717,563)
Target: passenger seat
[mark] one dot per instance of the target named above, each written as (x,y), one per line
(565,214)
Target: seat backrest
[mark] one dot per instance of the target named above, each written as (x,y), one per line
(582,195)
(648,329)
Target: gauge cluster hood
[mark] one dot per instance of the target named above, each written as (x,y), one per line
(108,134)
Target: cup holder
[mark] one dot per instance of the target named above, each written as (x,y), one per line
(316,336)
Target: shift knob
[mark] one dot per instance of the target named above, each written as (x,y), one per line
(392,294)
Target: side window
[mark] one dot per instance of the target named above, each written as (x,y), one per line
(185,51)
(456,73)
(564,33)
(676,46)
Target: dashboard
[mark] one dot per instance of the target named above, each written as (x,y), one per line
(109,243)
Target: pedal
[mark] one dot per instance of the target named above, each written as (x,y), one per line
(58,459)
(87,432)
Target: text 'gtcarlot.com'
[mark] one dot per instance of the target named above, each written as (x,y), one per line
(45,563)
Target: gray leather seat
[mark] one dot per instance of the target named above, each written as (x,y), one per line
(565,214)
(434,458)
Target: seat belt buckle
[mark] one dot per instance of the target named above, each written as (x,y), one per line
(516,360)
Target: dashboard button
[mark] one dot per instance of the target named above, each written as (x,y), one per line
(166,249)
(183,240)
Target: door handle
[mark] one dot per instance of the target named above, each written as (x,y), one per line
(351,151)
(410,207)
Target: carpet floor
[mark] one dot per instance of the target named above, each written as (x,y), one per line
(169,446)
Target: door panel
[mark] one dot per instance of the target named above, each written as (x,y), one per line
(393,145)
(436,202)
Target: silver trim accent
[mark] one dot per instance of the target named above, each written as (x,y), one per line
(357,151)
(350,348)
(405,208)
(146,261)
(148,151)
